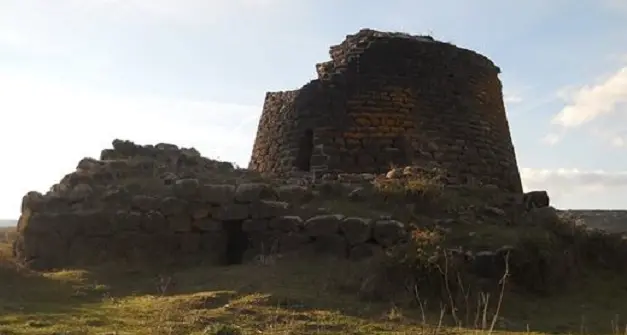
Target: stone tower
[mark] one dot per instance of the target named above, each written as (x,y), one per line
(392,99)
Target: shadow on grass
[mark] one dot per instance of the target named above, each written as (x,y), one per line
(300,296)
(32,300)
(307,295)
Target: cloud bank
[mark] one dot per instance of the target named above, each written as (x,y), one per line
(579,189)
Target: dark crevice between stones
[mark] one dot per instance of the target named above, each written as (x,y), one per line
(305,150)
(236,243)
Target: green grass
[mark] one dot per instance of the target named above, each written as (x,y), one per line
(284,297)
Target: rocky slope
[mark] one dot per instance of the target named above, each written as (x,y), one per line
(612,221)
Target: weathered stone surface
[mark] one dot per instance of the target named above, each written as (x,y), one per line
(88,163)
(208,224)
(265,209)
(127,221)
(180,223)
(200,210)
(35,224)
(172,206)
(292,241)
(189,243)
(288,223)
(362,113)
(255,225)
(251,192)
(89,250)
(92,223)
(294,193)
(536,199)
(42,251)
(187,188)
(321,225)
(388,232)
(217,194)
(214,243)
(154,222)
(233,212)
(80,192)
(32,201)
(144,202)
(356,230)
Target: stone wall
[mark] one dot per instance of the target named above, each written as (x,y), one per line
(392,99)
(211,223)
(127,207)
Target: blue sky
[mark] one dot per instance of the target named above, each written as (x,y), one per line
(75,74)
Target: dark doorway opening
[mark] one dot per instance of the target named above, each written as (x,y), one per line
(305,150)
(236,242)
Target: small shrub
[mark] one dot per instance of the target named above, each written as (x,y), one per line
(423,189)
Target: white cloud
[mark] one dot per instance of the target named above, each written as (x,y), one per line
(618,141)
(599,188)
(47,127)
(591,102)
(551,139)
(514,90)
(574,177)
(512,99)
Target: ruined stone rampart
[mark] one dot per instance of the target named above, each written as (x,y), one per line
(392,99)
(127,207)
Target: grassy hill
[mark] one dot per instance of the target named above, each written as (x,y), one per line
(282,296)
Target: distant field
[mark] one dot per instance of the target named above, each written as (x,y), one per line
(7,223)
(613,221)
(7,234)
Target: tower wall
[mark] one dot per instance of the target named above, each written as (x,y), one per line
(393,99)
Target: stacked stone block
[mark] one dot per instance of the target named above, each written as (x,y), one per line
(393,99)
(209,223)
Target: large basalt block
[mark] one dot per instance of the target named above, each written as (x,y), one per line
(252,192)
(388,232)
(233,212)
(293,241)
(173,206)
(356,230)
(154,222)
(322,225)
(266,209)
(288,223)
(217,193)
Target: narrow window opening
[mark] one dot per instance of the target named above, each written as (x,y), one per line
(305,150)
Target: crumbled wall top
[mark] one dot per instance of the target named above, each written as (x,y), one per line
(354,45)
